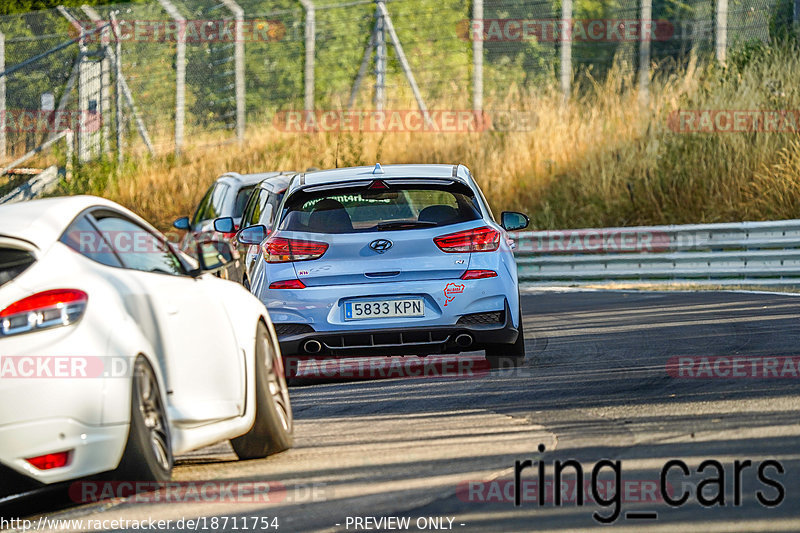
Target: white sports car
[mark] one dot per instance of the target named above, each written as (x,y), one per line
(117,352)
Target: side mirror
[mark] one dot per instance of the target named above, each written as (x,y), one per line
(252,235)
(213,255)
(224,225)
(513,221)
(181,223)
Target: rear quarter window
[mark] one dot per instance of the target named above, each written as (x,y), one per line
(211,205)
(13,262)
(241,200)
(84,238)
(252,211)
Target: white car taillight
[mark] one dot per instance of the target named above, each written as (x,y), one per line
(51,460)
(48,309)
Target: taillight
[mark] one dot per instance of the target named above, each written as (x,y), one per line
(287,284)
(479,274)
(48,309)
(280,250)
(50,460)
(483,239)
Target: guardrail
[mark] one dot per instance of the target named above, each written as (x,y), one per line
(747,253)
(38,185)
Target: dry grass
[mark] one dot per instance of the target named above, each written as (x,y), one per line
(600,159)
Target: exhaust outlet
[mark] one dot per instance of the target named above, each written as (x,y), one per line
(464,340)
(312,346)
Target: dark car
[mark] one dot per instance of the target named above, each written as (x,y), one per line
(227,196)
(260,209)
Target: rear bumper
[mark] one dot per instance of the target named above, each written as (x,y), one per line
(94,449)
(466,335)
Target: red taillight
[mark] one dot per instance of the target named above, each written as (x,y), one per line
(50,460)
(482,239)
(280,250)
(479,274)
(57,307)
(287,284)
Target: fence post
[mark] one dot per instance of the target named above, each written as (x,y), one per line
(105,90)
(721,30)
(310,46)
(180,72)
(126,91)
(118,89)
(2,97)
(90,94)
(566,46)
(646,25)
(388,25)
(69,139)
(103,83)
(477,56)
(238,58)
(380,58)
(795,14)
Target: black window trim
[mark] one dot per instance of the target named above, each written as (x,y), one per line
(225,197)
(251,200)
(193,221)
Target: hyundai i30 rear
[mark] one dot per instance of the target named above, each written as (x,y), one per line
(399,260)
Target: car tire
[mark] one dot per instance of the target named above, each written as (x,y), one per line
(507,355)
(273,426)
(148,452)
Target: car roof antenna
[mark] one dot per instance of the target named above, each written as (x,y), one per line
(377,169)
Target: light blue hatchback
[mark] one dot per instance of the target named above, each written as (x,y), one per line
(393,260)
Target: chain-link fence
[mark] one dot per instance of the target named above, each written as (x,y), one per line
(160,74)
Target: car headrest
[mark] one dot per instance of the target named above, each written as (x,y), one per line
(438,214)
(329,216)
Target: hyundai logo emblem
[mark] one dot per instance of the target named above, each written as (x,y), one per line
(380,245)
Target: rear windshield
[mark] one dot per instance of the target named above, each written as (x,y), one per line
(13,262)
(360,210)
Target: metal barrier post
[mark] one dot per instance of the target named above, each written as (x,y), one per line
(180,73)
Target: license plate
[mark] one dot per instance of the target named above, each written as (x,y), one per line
(384,309)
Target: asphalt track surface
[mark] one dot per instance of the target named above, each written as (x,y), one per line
(599,382)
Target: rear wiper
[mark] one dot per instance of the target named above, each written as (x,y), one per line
(409,224)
